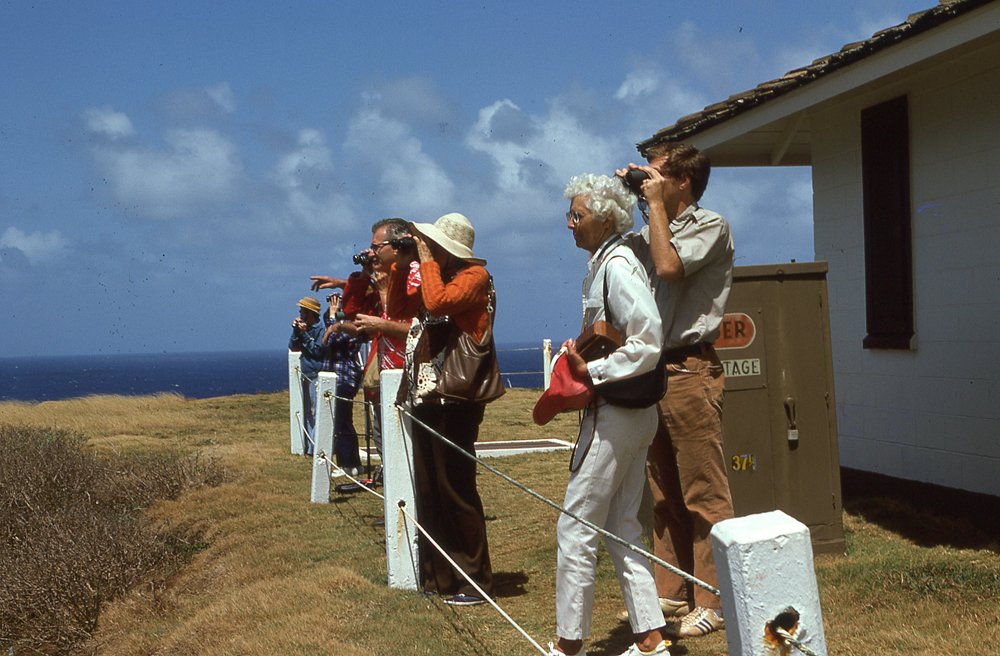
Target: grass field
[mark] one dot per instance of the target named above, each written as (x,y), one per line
(274,574)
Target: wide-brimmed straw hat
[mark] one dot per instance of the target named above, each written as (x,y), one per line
(454,233)
(309,303)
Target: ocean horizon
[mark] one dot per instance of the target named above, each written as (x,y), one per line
(193,375)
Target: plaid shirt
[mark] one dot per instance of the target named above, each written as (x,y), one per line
(342,358)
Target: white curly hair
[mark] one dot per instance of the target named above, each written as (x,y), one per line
(606,197)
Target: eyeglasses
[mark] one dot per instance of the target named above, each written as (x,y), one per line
(574,218)
(375,247)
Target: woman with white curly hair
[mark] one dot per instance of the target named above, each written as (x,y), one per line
(608,467)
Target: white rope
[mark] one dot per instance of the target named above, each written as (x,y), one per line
(322,456)
(594,527)
(482,593)
(790,639)
(298,420)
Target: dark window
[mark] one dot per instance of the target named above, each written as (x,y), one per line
(885,164)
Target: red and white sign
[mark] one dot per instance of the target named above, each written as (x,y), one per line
(737,331)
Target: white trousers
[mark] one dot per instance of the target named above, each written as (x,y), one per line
(606,489)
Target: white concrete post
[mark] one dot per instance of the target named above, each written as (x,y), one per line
(326,414)
(765,565)
(546,363)
(296,420)
(397,470)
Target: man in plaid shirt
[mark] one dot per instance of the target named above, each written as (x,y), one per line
(343,359)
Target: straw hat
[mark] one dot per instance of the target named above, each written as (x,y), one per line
(309,303)
(454,233)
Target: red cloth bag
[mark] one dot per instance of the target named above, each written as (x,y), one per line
(566,392)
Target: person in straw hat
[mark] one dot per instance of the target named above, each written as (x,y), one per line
(457,296)
(307,338)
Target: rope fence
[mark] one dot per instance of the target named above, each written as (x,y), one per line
(790,639)
(594,527)
(430,539)
(404,539)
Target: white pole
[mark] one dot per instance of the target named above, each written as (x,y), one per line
(397,467)
(296,420)
(546,362)
(765,566)
(326,414)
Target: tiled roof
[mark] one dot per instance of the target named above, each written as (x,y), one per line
(719,112)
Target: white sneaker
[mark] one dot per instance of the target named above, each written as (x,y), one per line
(700,622)
(672,610)
(661,648)
(555,652)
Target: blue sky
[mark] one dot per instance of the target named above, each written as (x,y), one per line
(172,173)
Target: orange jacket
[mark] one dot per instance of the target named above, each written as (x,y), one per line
(463,298)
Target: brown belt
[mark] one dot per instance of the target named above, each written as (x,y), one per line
(680,353)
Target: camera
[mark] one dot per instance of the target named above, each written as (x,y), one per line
(362,258)
(633,180)
(402,243)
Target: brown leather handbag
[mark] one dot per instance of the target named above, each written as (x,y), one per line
(599,340)
(470,371)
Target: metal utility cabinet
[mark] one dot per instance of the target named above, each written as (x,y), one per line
(779,421)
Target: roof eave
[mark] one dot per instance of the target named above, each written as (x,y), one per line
(774,112)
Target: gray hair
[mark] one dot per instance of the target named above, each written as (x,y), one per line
(606,197)
(395,227)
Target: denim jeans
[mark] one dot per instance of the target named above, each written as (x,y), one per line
(345,437)
(308,415)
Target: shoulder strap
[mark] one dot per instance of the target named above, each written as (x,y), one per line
(607,308)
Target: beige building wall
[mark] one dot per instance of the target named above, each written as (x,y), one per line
(930,414)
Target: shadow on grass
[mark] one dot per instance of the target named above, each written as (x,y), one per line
(928,515)
(614,643)
(509,584)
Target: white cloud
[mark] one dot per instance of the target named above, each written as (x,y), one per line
(412,100)
(718,63)
(311,157)
(769,209)
(198,168)
(306,177)
(37,247)
(652,100)
(196,105)
(409,181)
(549,149)
(223,96)
(106,122)
(638,85)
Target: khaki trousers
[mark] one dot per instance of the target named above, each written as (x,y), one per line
(687,477)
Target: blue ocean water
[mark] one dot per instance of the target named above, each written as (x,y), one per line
(194,375)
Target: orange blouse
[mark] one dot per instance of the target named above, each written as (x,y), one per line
(463,298)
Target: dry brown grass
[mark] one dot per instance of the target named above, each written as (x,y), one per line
(72,534)
(276,574)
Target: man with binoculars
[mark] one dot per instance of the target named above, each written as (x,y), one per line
(688,253)
(365,304)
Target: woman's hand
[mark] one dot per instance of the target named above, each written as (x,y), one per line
(577,365)
(423,250)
